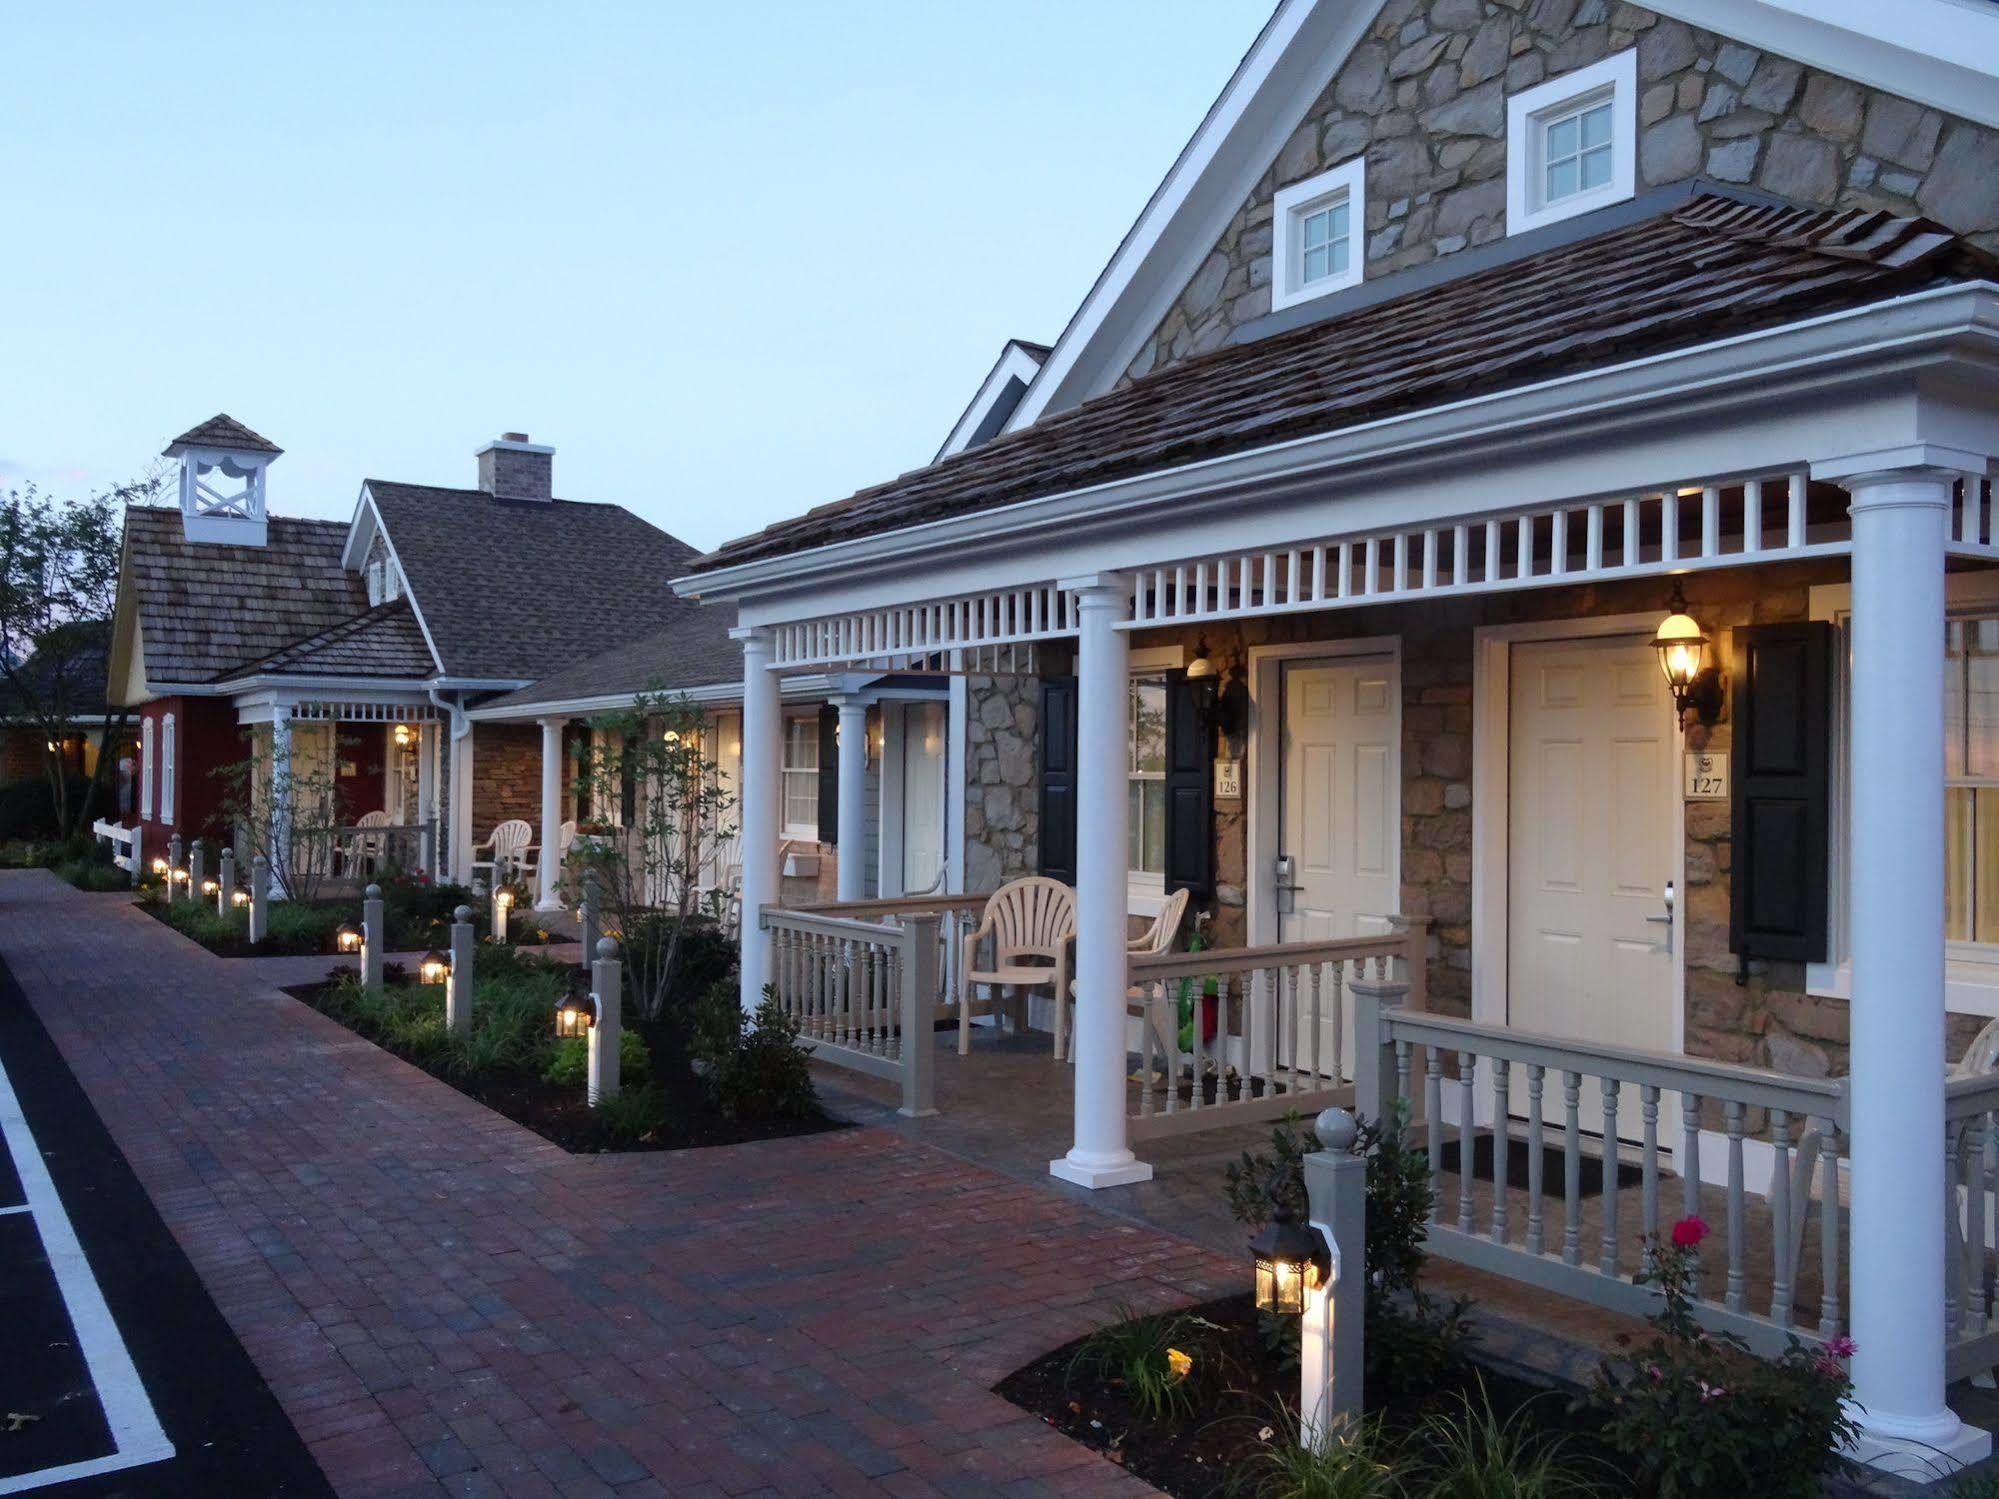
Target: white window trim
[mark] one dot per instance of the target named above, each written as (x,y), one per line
(807,832)
(1614,78)
(1145,894)
(1971,971)
(1347,181)
(146,767)
(167,770)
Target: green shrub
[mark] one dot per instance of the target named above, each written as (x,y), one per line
(755,1067)
(304,925)
(88,874)
(29,853)
(1358,1462)
(1475,1453)
(1148,1358)
(1978,1486)
(1697,1413)
(634,1115)
(569,1060)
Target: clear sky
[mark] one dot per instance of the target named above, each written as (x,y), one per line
(730,260)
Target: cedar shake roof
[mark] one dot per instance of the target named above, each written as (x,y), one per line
(223,431)
(521,588)
(1709,267)
(206,609)
(696,652)
(387,641)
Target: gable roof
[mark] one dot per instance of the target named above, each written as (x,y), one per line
(695,652)
(997,396)
(511,590)
(205,609)
(224,431)
(384,642)
(1709,266)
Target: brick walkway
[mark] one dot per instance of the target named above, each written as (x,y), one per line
(447,1304)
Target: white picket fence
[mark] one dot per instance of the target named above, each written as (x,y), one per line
(132,860)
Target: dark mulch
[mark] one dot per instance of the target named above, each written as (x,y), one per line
(1241,1385)
(561,1115)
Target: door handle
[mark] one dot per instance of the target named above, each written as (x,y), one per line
(1665,920)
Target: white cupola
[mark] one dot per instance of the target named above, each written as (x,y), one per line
(222,465)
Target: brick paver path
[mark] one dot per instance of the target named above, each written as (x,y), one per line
(447,1304)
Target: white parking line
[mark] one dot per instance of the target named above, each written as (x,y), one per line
(136,1436)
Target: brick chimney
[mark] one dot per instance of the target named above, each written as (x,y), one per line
(512,468)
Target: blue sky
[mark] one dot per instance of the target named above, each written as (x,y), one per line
(732,261)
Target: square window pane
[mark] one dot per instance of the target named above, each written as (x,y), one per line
(1562,138)
(1155,827)
(1337,220)
(1317,227)
(1953,696)
(1134,828)
(1596,126)
(1958,803)
(1596,167)
(1562,177)
(1318,264)
(1339,255)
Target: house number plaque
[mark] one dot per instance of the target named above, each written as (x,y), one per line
(1228,780)
(1707,778)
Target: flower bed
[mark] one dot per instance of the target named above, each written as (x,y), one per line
(743,1086)
(416,911)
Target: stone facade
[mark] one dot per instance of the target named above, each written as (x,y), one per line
(506,776)
(1002,780)
(1424,96)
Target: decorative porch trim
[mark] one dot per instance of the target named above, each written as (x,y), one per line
(348,712)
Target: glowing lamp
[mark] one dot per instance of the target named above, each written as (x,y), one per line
(403,736)
(432,968)
(504,899)
(347,940)
(1290,1260)
(1683,649)
(574,1017)
(159,866)
(211,887)
(239,898)
(178,876)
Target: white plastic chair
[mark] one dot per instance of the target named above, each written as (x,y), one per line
(1029,919)
(509,850)
(364,852)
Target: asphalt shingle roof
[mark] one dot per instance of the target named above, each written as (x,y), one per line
(224,431)
(1708,267)
(521,588)
(206,609)
(696,651)
(387,641)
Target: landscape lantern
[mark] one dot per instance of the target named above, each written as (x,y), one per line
(347,940)
(574,1017)
(211,887)
(239,897)
(178,876)
(1290,1260)
(159,866)
(432,968)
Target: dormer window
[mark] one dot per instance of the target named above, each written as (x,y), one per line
(1316,235)
(1570,143)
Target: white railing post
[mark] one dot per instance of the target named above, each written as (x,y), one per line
(1374,1081)
(371,937)
(225,896)
(1101,1155)
(136,864)
(606,996)
(757,804)
(197,868)
(260,897)
(458,984)
(917,1048)
(1900,505)
(1330,1356)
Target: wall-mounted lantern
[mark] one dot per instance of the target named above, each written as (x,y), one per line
(403,735)
(432,968)
(1291,1260)
(1204,676)
(347,939)
(575,1017)
(1683,658)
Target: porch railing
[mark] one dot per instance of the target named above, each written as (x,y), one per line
(1547,1138)
(1265,1028)
(863,994)
(956,915)
(356,852)
(1971,1167)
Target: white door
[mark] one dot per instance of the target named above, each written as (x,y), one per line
(922,795)
(1340,815)
(1592,822)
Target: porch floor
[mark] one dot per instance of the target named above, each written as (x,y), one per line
(1007,1107)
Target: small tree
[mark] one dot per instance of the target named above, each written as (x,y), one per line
(652,759)
(58,585)
(285,812)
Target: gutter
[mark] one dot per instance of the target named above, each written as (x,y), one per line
(1888,330)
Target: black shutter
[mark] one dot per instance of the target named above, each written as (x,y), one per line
(1058,779)
(1190,823)
(1782,749)
(829,773)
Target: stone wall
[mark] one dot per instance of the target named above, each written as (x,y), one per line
(506,776)
(1002,780)
(1424,96)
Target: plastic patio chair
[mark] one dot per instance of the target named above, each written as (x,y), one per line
(1031,922)
(508,848)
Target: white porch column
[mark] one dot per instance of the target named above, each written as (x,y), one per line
(853,824)
(1101,1155)
(281,796)
(757,809)
(1899,507)
(426,795)
(461,800)
(550,864)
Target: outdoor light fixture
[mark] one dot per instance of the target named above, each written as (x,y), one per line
(574,1017)
(1203,664)
(211,887)
(347,940)
(432,968)
(239,898)
(178,876)
(1290,1260)
(1683,649)
(403,736)
(504,899)
(159,866)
